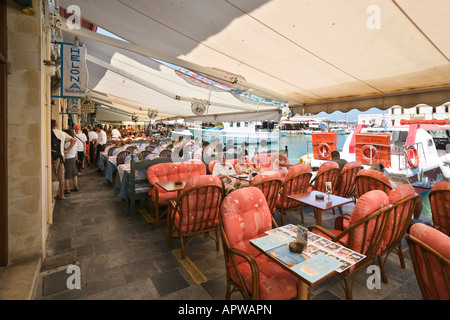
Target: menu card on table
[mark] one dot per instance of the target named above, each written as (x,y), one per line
(320,257)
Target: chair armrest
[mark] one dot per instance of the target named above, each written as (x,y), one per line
(253,267)
(339,222)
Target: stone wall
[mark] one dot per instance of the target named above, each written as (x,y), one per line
(25,127)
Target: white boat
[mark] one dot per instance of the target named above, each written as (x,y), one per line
(238,132)
(414,150)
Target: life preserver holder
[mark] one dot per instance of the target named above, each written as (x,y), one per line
(367,150)
(324,150)
(412,156)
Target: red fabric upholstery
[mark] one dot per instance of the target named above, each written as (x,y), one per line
(172,172)
(246,216)
(397,194)
(293,171)
(205,203)
(322,177)
(346,179)
(367,204)
(369,181)
(265,176)
(440,206)
(440,242)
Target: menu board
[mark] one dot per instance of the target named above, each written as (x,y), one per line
(319,258)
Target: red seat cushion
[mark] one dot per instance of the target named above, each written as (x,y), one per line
(440,206)
(441,243)
(246,216)
(206,204)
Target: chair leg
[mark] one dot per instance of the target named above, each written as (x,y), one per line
(384,277)
(301,213)
(401,257)
(334,212)
(340,210)
(183,248)
(217,240)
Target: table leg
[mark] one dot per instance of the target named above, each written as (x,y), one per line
(318,216)
(303,291)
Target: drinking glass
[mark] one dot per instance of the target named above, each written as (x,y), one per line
(328,189)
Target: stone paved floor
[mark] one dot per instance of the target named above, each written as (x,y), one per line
(125,257)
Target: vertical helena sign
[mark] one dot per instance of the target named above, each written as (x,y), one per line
(74,73)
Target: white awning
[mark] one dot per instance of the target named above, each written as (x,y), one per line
(318,55)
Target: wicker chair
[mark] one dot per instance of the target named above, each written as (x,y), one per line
(122,156)
(166,153)
(430,254)
(404,200)
(196,211)
(132,149)
(364,234)
(150,148)
(328,172)
(346,186)
(111,150)
(296,181)
(245,216)
(369,179)
(270,186)
(440,203)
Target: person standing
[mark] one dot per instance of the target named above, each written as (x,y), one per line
(101,143)
(81,147)
(115,134)
(58,170)
(92,143)
(71,171)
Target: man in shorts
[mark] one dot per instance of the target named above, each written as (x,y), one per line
(58,164)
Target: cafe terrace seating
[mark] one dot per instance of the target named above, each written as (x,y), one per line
(170,172)
(440,206)
(364,234)
(196,211)
(346,186)
(111,150)
(270,186)
(245,215)
(296,181)
(167,153)
(233,162)
(137,186)
(430,255)
(369,179)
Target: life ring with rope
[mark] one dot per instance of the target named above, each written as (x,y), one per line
(369,153)
(324,150)
(412,156)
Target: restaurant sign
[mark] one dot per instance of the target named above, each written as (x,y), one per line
(74,73)
(73,106)
(88,108)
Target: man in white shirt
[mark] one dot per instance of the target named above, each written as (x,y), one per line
(93,137)
(81,147)
(115,134)
(101,143)
(58,164)
(224,171)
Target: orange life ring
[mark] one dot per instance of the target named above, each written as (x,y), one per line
(412,156)
(324,150)
(367,150)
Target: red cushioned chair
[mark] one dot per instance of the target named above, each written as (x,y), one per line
(245,215)
(296,181)
(346,186)
(328,172)
(430,254)
(170,172)
(404,200)
(440,206)
(364,234)
(270,185)
(369,179)
(196,211)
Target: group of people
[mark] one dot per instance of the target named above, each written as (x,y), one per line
(72,149)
